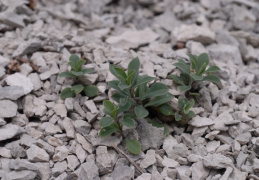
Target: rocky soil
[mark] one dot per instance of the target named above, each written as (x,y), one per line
(45,137)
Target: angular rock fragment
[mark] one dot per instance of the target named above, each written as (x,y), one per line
(217,161)
(150,159)
(9,131)
(11,92)
(36,154)
(8,109)
(103,160)
(88,170)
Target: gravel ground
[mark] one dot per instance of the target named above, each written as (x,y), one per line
(45,137)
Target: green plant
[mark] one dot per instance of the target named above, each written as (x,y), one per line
(194,72)
(134,88)
(76,71)
(115,120)
(184,113)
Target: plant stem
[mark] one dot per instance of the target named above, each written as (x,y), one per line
(133,96)
(120,127)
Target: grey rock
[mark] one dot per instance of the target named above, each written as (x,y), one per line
(167,20)
(35,79)
(61,153)
(217,161)
(34,106)
(11,92)
(60,109)
(107,141)
(27,47)
(256,165)
(80,153)
(91,106)
(199,171)
(88,170)
(254,100)
(4,61)
(227,173)
(51,129)
(82,127)
(17,151)
(225,53)
(122,173)
(144,176)
(2,122)
(85,144)
(194,32)
(212,146)
(150,159)
(69,128)
(195,47)
(244,138)
(150,136)
(4,152)
(103,160)
(198,121)
(46,146)
(27,140)
(8,109)
(22,164)
(9,131)
(20,80)
(36,154)
(59,168)
(136,39)
(223,37)
(184,172)
(221,120)
(167,162)
(241,159)
(20,175)
(72,162)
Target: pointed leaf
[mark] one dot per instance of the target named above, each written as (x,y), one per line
(67,93)
(128,122)
(120,72)
(106,131)
(194,61)
(67,74)
(142,80)
(177,117)
(166,109)
(182,101)
(109,106)
(196,77)
(123,85)
(114,113)
(133,146)
(77,88)
(184,88)
(134,65)
(79,65)
(140,111)
(203,58)
(157,101)
(212,69)
(123,108)
(106,121)
(211,78)
(115,85)
(157,89)
(87,70)
(191,114)
(117,96)
(73,60)
(183,67)
(130,115)
(117,72)
(176,79)
(188,106)
(91,91)
(80,73)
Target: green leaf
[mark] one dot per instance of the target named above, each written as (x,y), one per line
(143,80)
(203,58)
(77,88)
(115,85)
(123,101)
(91,90)
(128,122)
(117,72)
(140,111)
(157,89)
(191,114)
(67,74)
(130,115)
(188,106)
(108,105)
(177,117)
(185,78)
(176,79)
(73,60)
(67,93)
(211,78)
(141,91)
(106,131)
(133,146)
(183,67)
(87,71)
(123,85)
(158,125)
(80,73)
(79,65)
(106,121)
(157,101)
(196,77)
(182,101)
(117,96)
(166,109)
(194,61)
(114,113)
(212,69)
(184,88)
(134,65)
(120,72)
(194,94)
(124,107)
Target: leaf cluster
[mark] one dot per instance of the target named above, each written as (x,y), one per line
(77,70)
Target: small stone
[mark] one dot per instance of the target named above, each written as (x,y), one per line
(9,131)
(85,144)
(244,138)
(241,159)
(8,109)
(27,47)
(69,128)
(198,121)
(199,171)
(4,152)
(91,106)
(221,120)
(2,122)
(103,160)
(167,162)
(217,161)
(11,92)
(69,104)
(256,165)
(20,80)
(82,127)
(59,168)
(61,153)
(60,109)
(36,154)
(150,159)
(4,61)
(80,153)
(144,176)
(212,146)
(42,144)
(51,129)
(72,162)
(122,173)
(35,79)
(25,174)
(88,171)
